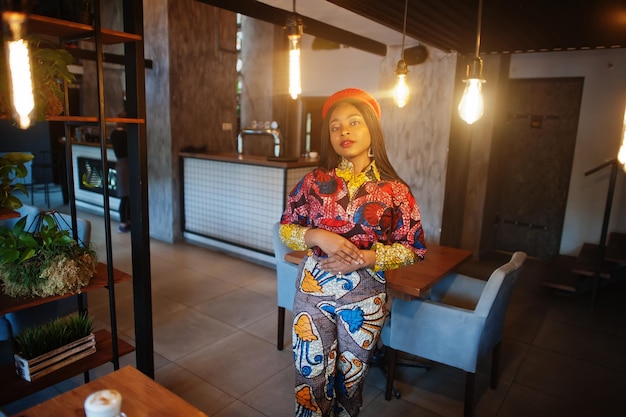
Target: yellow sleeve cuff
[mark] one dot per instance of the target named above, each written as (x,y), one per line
(292,235)
(392,256)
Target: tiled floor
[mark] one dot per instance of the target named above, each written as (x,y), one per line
(215,329)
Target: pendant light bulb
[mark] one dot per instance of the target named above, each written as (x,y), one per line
(472,104)
(401,90)
(621,156)
(294,34)
(19,69)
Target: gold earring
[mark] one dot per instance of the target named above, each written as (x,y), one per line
(370,153)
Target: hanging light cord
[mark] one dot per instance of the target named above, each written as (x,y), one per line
(406,8)
(294,6)
(480,18)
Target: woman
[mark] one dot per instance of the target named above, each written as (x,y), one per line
(359,219)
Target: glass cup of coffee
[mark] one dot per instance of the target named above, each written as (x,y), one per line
(104,403)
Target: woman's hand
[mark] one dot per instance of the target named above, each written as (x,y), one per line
(343,256)
(336,266)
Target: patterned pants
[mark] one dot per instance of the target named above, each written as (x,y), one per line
(337,323)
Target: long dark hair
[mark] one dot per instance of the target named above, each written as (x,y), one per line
(329,159)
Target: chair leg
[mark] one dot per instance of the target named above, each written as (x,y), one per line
(470,381)
(280,341)
(392,358)
(495,365)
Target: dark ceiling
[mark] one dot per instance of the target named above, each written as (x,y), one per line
(451,25)
(507,25)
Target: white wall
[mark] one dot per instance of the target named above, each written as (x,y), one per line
(598,140)
(327,71)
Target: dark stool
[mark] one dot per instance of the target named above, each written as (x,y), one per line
(46,168)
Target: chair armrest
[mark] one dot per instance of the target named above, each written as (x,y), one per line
(458,290)
(286,272)
(286,277)
(435,331)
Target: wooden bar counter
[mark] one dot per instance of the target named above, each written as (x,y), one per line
(231,201)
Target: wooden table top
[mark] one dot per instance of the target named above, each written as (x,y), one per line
(415,280)
(141,397)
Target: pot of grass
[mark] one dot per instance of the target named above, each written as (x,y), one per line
(51,346)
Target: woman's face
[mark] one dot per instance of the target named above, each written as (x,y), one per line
(349,135)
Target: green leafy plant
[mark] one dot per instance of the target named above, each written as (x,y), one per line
(43,263)
(35,341)
(12,166)
(49,70)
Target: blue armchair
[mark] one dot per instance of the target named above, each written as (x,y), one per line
(286,275)
(460,322)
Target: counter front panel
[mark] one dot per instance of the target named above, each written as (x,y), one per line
(236,204)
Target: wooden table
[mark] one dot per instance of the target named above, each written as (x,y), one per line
(415,280)
(142,397)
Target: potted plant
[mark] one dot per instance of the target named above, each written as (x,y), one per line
(48,347)
(12,166)
(44,262)
(49,71)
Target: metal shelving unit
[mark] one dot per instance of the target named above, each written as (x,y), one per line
(107,276)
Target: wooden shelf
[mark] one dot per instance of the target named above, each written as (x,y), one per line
(127,120)
(78,120)
(87,120)
(69,31)
(99,280)
(14,387)
(5,214)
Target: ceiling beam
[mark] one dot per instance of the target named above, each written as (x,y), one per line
(276,16)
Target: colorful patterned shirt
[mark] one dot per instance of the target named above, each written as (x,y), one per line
(372,213)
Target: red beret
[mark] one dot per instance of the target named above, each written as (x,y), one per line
(352,93)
